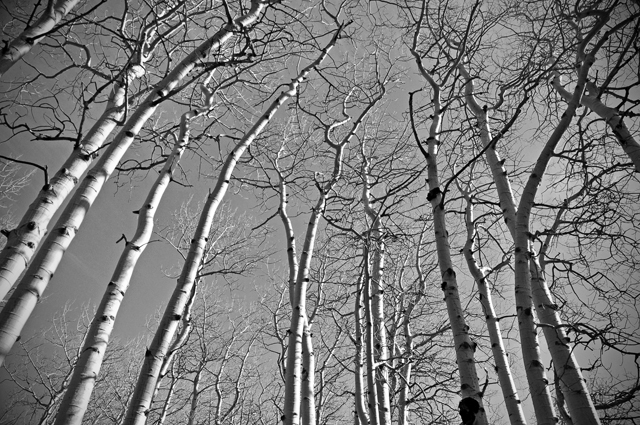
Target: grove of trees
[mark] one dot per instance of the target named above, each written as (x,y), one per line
(376,212)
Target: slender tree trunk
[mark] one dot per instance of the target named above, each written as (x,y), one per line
(576,394)
(293,381)
(181,338)
(507,385)
(377,299)
(23,241)
(403,399)
(167,403)
(143,394)
(20,305)
(361,411)
(308,377)
(195,392)
(372,392)
(293,374)
(611,116)
(308,409)
(471,408)
(88,366)
(546,309)
(32,35)
(407,369)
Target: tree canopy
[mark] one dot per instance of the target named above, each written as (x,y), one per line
(376,212)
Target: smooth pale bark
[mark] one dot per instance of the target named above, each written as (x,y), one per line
(407,369)
(576,394)
(23,241)
(381,351)
(95,345)
(180,340)
(546,309)
(507,385)
(611,116)
(308,408)
(361,411)
(322,381)
(20,305)
(144,391)
(32,35)
(167,402)
(534,369)
(372,391)
(464,346)
(293,374)
(293,377)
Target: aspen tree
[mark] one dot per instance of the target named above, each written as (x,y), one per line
(408,308)
(361,411)
(612,117)
(23,241)
(22,302)
(530,347)
(142,398)
(14,50)
(480,275)
(308,408)
(369,337)
(471,403)
(575,391)
(375,243)
(294,352)
(96,343)
(573,384)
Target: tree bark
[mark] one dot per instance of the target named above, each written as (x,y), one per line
(88,365)
(611,116)
(507,385)
(464,347)
(20,305)
(32,35)
(23,241)
(381,351)
(143,394)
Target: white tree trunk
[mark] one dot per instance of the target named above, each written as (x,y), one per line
(143,394)
(361,411)
(32,35)
(293,383)
(88,366)
(23,241)
(471,402)
(555,336)
(372,391)
(377,298)
(577,396)
(611,116)
(308,377)
(507,385)
(20,305)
